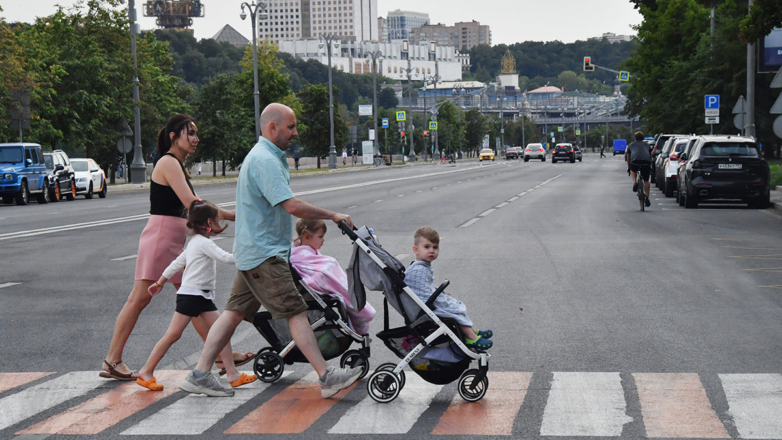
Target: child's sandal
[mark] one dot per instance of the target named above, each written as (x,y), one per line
(486,334)
(150,384)
(480,343)
(244,379)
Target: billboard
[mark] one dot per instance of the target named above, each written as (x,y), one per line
(770,53)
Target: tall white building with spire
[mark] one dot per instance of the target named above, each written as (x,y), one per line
(290,20)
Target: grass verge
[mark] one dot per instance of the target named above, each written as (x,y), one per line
(776,172)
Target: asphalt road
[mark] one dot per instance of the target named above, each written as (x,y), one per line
(614,300)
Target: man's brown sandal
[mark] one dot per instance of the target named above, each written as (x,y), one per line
(113,373)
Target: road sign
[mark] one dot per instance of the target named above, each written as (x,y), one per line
(578,132)
(712,112)
(401,116)
(124,146)
(559,129)
(126,131)
(371,134)
(776,109)
(624,76)
(711,101)
(738,121)
(777,126)
(432,125)
(385,122)
(712,119)
(365,110)
(741,104)
(776,83)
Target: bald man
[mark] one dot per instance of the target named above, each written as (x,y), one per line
(264,208)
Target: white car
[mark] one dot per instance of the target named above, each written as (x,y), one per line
(671,164)
(90,178)
(534,151)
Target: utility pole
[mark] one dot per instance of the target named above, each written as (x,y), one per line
(409,72)
(138,167)
(750,122)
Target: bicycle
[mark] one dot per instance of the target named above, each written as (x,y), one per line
(640,191)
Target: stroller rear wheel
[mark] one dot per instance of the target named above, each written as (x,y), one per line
(469,390)
(388,366)
(383,386)
(268,365)
(354,359)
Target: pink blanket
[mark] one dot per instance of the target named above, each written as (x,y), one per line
(323,274)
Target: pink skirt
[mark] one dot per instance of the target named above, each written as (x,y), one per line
(162,240)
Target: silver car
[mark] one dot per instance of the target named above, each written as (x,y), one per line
(534,151)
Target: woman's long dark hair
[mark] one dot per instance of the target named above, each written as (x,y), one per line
(175,124)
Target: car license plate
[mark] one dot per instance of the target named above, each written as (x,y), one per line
(729,166)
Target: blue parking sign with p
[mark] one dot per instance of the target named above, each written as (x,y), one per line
(385,122)
(711,101)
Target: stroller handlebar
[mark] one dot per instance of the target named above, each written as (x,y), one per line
(348,230)
(433,298)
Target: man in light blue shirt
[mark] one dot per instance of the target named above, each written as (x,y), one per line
(264,208)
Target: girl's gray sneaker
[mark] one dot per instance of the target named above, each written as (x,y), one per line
(207,384)
(336,379)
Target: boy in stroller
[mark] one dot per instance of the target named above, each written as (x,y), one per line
(420,277)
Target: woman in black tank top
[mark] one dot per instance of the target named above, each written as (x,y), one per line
(163,238)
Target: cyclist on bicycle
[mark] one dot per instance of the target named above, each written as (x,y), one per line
(639,160)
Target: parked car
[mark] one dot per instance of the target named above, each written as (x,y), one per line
(659,161)
(657,147)
(511,153)
(563,152)
(89,178)
(534,151)
(620,145)
(22,173)
(577,153)
(671,165)
(61,177)
(726,167)
(680,172)
(486,154)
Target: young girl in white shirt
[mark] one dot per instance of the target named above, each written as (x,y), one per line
(195,295)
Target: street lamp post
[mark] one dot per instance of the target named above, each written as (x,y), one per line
(257,12)
(375,54)
(138,168)
(329,42)
(409,71)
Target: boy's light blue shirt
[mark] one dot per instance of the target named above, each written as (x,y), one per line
(263,227)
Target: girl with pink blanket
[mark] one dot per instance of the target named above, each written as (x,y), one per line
(323,274)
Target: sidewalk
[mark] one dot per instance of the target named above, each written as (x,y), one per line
(204,179)
(776,199)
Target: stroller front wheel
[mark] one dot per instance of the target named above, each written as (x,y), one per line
(354,359)
(388,366)
(469,390)
(268,365)
(383,386)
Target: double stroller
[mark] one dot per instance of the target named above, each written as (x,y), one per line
(430,345)
(329,321)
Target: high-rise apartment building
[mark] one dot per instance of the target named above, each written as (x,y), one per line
(401,22)
(298,19)
(463,36)
(382,26)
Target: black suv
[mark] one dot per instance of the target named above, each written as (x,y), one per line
(565,152)
(725,167)
(61,177)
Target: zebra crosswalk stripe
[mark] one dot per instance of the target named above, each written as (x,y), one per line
(194,414)
(755,401)
(13,380)
(39,398)
(397,417)
(585,404)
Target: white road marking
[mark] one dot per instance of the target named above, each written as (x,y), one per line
(194,414)
(513,199)
(351,207)
(37,399)
(469,223)
(129,257)
(400,195)
(218,238)
(419,191)
(585,404)
(2,286)
(487,212)
(501,205)
(755,401)
(378,201)
(398,417)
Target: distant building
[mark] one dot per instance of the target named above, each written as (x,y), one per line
(464,60)
(382,26)
(545,92)
(613,38)
(300,19)
(229,35)
(463,36)
(401,22)
(351,57)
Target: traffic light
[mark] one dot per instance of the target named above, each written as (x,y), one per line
(402,133)
(588,66)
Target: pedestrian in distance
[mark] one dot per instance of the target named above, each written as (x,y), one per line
(198,166)
(344,156)
(602,148)
(355,157)
(265,206)
(162,239)
(420,278)
(196,294)
(296,158)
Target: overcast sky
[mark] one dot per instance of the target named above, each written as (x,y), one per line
(511,21)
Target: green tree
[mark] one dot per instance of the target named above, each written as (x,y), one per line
(387,98)
(764,16)
(315,117)
(475,129)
